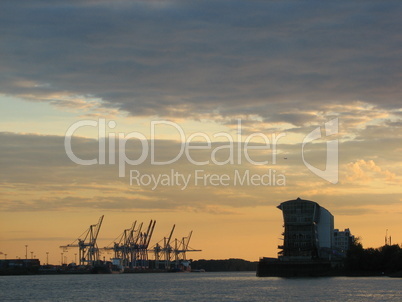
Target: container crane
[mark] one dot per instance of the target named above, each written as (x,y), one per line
(144,240)
(131,247)
(181,248)
(87,246)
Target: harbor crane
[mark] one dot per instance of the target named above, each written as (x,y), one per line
(178,251)
(121,246)
(165,250)
(144,240)
(131,247)
(87,246)
(181,248)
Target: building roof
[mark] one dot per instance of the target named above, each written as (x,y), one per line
(298,199)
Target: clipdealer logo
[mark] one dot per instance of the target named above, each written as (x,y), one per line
(331,171)
(238,149)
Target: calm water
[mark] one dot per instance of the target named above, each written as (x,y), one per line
(196,287)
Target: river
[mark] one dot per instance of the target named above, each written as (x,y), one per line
(230,286)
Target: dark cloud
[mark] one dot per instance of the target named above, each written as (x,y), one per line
(188,58)
(298,119)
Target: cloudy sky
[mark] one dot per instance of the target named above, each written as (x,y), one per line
(278,67)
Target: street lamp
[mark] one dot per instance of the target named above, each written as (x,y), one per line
(47,258)
(26,252)
(31,255)
(61,262)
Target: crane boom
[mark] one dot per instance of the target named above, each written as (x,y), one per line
(170,236)
(97,228)
(150,234)
(188,240)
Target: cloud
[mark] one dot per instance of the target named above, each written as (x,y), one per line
(42,178)
(38,176)
(187,59)
(366,171)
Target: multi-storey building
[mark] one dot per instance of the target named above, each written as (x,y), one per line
(308,231)
(342,240)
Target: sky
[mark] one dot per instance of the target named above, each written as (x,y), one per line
(237,96)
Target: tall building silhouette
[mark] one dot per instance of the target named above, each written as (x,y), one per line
(308,231)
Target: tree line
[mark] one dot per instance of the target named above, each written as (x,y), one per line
(383,260)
